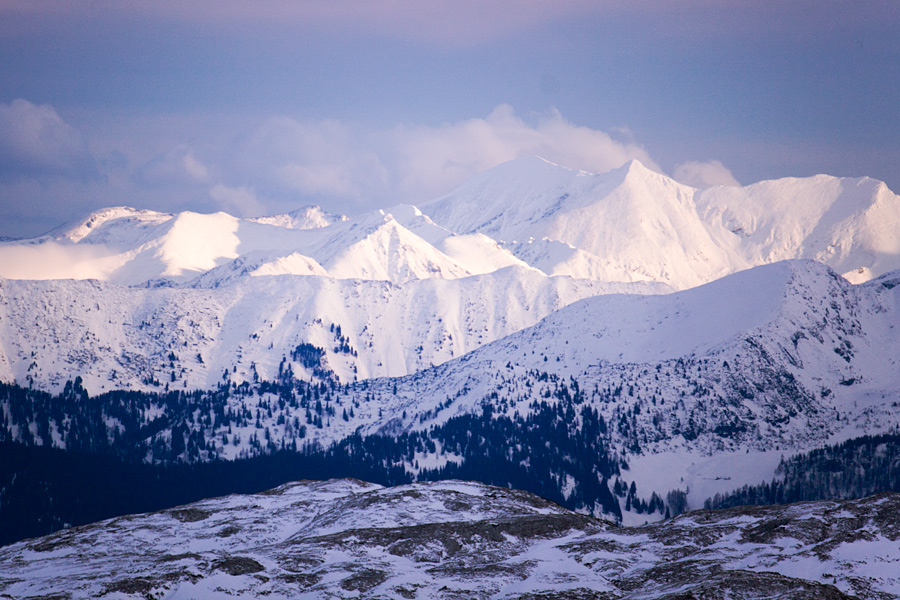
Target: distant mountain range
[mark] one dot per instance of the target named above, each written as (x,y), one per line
(408,290)
(631,224)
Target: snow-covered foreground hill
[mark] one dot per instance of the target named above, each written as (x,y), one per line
(453,539)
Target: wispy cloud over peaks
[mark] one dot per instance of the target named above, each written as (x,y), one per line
(36,142)
(178,167)
(351,168)
(276,164)
(704,174)
(432,160)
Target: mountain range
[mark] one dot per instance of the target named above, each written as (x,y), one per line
(408,290)
(619,343)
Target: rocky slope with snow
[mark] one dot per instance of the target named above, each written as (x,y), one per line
(349,539)
(703,390)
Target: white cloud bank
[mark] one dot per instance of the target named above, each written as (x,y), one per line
(278,164)
(353,168)
(704,174)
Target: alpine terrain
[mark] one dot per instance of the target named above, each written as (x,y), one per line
(350,539)
(620,344)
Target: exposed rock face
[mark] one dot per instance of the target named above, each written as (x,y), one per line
(350,539)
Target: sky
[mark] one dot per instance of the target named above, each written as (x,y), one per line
(263,107)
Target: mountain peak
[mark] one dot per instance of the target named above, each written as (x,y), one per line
(306,217)
(78,229)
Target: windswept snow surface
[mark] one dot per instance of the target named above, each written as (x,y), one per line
(350,539)
(308,217)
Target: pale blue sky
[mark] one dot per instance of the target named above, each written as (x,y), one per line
(261,107)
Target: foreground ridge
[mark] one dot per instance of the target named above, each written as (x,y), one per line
(347,538)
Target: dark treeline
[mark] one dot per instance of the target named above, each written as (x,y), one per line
(172,426)
(538,453)
(853,469)
(45,489)
(559,450)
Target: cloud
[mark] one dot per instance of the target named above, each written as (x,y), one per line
(36,142)
(704,174)
(330,162)
(51,260)
(470,23)
(177,167)
(433,160)
(277,164)
(241,202)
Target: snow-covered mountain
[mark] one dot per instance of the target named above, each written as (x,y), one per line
(527,317)
(350,539)
(631,224)
(138,247)
(642,226)
(852,225)
(501,252)
(703,390)
(149,338)
(698,392)
(635,224)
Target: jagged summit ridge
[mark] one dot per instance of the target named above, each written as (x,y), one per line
(635,224)
(131,247)
(631,224)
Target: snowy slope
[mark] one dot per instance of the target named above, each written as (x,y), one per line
(799,312)
(640,224)
(852,225)
(703,389)
(117,337)
(350,539)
